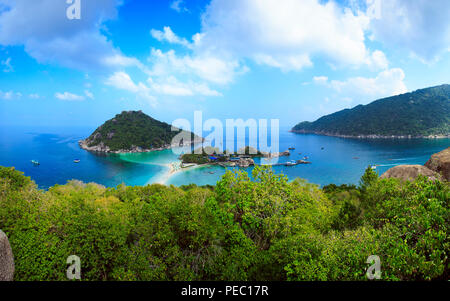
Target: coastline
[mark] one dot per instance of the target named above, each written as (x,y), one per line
(373,136)
(102,148)
(173,168)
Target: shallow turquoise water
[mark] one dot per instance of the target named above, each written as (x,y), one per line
(57,148)
(336,163)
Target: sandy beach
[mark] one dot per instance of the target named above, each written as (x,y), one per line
(171,169)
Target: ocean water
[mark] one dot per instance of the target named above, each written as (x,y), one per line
(56,148)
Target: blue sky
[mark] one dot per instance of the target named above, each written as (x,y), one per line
(293,60)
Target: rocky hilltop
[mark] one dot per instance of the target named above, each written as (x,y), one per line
(423,113)
(133,132)
(437,168)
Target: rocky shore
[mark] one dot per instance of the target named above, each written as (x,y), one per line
(371,136)
(436,168)
(243,163)
(102,148)
(276,155)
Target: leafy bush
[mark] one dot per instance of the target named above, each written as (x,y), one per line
(264,228)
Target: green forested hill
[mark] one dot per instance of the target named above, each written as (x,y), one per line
(423,112)
(129,131)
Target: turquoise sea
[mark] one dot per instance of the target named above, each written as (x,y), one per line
(56,148)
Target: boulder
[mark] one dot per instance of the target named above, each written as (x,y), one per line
(6,259)
(440,163)
(410,172)
(245,162)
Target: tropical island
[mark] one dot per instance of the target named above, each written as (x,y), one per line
(133,132)
(424,113)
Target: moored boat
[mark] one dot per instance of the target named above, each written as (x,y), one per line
(303,162)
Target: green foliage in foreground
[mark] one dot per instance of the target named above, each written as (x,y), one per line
(241,229)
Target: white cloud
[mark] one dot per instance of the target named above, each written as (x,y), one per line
(320,79)
(122,81)
(7,65)
(169,36)
(206,67)
(288,34)
(10,95)
(171,86)
(34,96)
(420,26)
(161,86)
(178,5)
(203,89)
(69,96)
(88,94)
(285,63)
(49,37)
(198,68)
(121,61)
(365,89)
(378,61)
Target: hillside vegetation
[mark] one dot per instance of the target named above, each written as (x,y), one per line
(241,229)
(424,112)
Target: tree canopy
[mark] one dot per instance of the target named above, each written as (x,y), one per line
(132,129)
(265,228)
